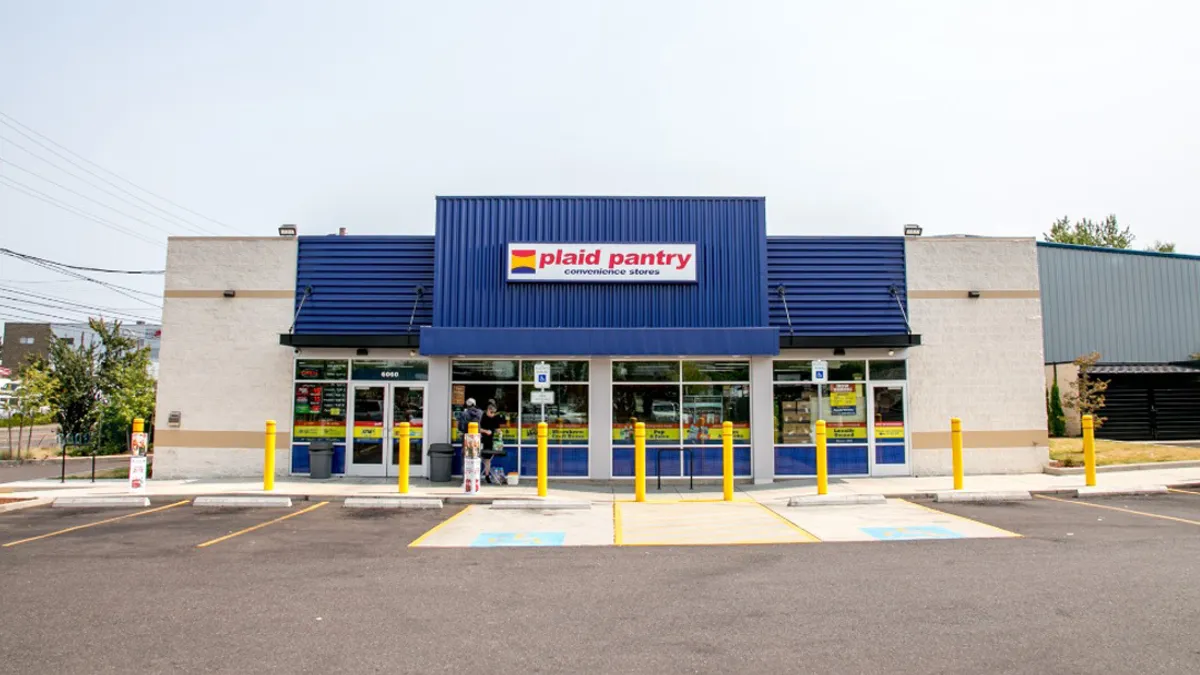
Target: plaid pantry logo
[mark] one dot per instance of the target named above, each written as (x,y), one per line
(523,261)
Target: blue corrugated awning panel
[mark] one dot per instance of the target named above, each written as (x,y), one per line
(437,341)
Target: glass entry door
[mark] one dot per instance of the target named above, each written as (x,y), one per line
(889,436)
(408,405)
(377,411)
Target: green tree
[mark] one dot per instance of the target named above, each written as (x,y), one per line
(1162,246)
(123,382)
(1107,233)
(75,395)
(1054,412)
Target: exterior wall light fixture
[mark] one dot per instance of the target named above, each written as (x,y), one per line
(912,230)
(229,293)
(287,230)
(972,294)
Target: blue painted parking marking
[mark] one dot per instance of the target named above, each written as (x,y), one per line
(494,539)
(911,532)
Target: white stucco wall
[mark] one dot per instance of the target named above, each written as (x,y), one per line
(222,367)
(980,359)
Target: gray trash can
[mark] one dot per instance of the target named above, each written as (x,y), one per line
(320,460)
(441,462)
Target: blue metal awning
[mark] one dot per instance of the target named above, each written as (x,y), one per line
(739,341)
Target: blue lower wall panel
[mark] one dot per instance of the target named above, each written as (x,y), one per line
(889,453)
(844,460)
(300,458)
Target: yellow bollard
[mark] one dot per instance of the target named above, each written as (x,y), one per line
(822,460)
(1089,450)
(956,451)
(139,425)
(639,461)
(727,458)
(542,458)
(269,458)
(402,450)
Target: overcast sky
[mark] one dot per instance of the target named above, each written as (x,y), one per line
(850,117)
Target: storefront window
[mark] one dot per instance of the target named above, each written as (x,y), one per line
(888,370)
(796,408)
(844,409)
(657,405)
(793,371)
(314,369)
(852,371)
(406,371)
(716,371)
(560,371)
(510,384)
(484,371)
(646,371)
(707,407)
(566,419)
(319,411)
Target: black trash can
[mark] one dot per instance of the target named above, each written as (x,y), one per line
(441,461)
(320,460)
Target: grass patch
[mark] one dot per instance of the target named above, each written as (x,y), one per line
(1069,451)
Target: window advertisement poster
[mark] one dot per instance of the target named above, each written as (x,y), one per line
(319,411)
(843,399)
(312,369)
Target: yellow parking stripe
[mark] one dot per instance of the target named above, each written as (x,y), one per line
(98,522)
(801,530)
(439,526)
(1186,492)
(261,525)
(1008,533)
(618,535)
(1120,510)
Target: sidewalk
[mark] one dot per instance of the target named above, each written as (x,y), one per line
(340,488)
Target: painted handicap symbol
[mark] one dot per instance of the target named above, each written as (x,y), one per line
(495,539)
(911,532)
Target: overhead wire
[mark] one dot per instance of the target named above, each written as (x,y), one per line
(36,194)
(104,270)
(21,128)
(116,288)
(66,305)
(80,194)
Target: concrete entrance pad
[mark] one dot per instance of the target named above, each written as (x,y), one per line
(896,520)
(690,523)
(478,526)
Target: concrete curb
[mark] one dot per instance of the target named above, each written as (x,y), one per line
(539,505)
(836,500)
(1120,492)
(391,503)
(24,504)
(245,501)
(119,502)
(1109,468)
(989,497)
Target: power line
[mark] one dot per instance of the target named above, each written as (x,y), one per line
(13,124)
(8,251)
(123,290)
(90,199)
(28,191)
(31,311)
(68,306)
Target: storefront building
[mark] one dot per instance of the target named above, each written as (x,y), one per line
(677,312)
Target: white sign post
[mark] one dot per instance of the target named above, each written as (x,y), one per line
(541,380)
(820,371)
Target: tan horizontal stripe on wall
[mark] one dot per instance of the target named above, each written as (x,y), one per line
(983,295)
(190,438)
(923,440)
(280,295)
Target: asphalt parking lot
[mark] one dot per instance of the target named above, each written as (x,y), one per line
(1090,586)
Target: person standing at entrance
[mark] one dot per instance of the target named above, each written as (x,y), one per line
(489,429)
(469,414)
